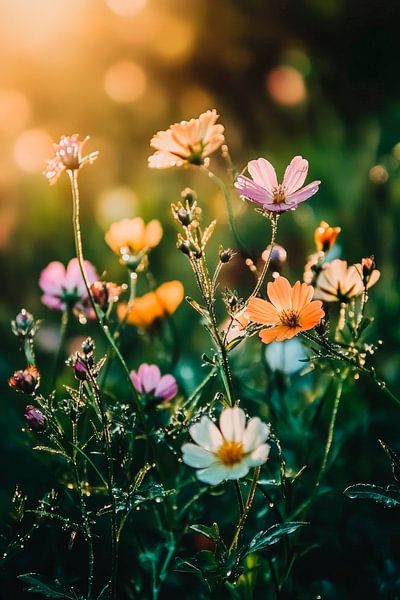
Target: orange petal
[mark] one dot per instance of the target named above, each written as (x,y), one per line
(170,295)
(301,295)
(261,311)
(153,233)
(311,315)
(278,333)
(280,293)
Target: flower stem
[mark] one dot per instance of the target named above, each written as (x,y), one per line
(246,511)
(60,350)
(274,229)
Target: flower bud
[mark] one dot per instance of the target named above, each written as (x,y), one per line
(368,265)
(80,367)
(184,217)
(35,419)
(184,247)
(99,291)
(23,324)
(226,254)
(325,236)
(189,196)
(88,346)
(26,381)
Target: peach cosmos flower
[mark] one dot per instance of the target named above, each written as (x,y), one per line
(68,157)
(264,189)
(338,282)
(132,236)
(325,236)
(290,310)
(187,142)
(154,305)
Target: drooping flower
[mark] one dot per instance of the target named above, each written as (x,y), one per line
(187,142)
(154,305)
(263,188)
(26,381)
(64,287)
(227,452)
(35,419)
(133,236)
(325,236)
(148,380)
(290,310)
(338,282)
(68,157)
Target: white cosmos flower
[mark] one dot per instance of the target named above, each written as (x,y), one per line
(227,452)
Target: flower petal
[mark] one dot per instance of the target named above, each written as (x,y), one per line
(259,456)
(237,471)
(206,434)
(280,293)
(261,311)
(213,474)
(301,295)
(263,173)
(150,377)
(167,388)
(232,423)
(295,174)
(197,457)
(303,194)
(52,278)
(256,433)
(252,191)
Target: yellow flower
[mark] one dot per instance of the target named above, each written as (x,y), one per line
(187,142)
(133,236)
(154,305)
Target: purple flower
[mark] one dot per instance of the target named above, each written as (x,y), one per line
(264,189)
(148,380)
(34,418)
(63,287)
(81,370)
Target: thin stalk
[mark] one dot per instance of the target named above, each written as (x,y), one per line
(239,497)
(60,350)
(260,281)
(246,511)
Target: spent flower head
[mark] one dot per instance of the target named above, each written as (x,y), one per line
(187,142)
(26,381)
(263,187)
(227,452)
(68,157)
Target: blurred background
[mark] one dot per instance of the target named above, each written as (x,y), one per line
(311,77)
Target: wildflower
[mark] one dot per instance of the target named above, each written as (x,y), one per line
(148,380)
(187,142)
(227,452)
(34,418)
(105,292)
(133,236)
(24,324)
(154,305)
(289,311)
(26,381)
(68,157)
(64,288)
(81,368)
(338,282)
(264,190)
(325,236)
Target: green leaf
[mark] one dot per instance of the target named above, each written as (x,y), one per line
(212,533)
(52,451)
(197,307)
(394,459)
(389,497)
(105,593)
(272,536)
(184,566)
(49,589)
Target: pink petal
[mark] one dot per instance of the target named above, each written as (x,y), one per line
(52,278)
(252,191)
(150,377)
(167,388)
(263,173)
(52,302)
(137,384)
(295,174)
(303,194)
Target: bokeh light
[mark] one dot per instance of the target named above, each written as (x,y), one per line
(31,149)
(125,81)
(378,174)
(126,8)
(114,204)
(14,111)
(286,86)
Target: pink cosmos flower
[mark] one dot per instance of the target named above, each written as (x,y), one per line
(187,142)
(264,189)
(68,157)
(64,287)
(148,380)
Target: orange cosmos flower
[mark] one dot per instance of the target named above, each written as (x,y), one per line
(325,236)
(187,142)
(290,311)
(131,236)
(154,305)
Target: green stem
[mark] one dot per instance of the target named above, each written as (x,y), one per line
(61,344)
(246,511)
(274,228)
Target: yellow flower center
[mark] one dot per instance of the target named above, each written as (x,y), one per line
(290,318)
(279,194)
(231,453)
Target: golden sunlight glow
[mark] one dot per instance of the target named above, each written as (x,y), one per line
(378,174)
(175,38)
(125,81)
(126,8)
(115,204)
(14,111)
(286,86)
(31,150)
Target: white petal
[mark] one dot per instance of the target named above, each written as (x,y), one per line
(259,456)
(256,433)
(214,474)
(206,434)
(238,471)
(197,457)
(232,423)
